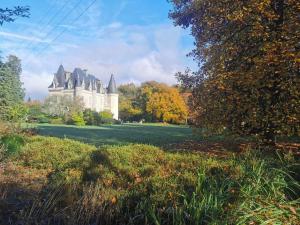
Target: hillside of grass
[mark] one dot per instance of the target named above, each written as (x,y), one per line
(53,180)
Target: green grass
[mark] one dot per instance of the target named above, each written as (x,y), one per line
(124,134)
(123,175)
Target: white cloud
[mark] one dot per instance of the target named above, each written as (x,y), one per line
(132,53)
(36,84)
(21,37)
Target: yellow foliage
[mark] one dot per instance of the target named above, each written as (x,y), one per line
(166,105)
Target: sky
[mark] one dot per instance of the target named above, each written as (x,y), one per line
(132,39)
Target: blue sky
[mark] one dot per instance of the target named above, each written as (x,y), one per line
(133,39)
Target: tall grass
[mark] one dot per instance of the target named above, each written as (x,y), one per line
(142,184)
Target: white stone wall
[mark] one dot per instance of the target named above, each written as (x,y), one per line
(113,100)
(91,99)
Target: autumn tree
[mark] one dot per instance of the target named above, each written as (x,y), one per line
(167,106)
(162,103)
(249,54)
(146,91)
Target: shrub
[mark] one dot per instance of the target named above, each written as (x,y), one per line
(106,117)
(77,119)
(42,119)
(88,117)
(18,113)
(12,143)
(56,121)
(91,117)
(5,128)
(2,152)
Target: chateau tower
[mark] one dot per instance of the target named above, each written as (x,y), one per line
(113,97)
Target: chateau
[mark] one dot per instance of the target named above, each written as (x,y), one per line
(92,91)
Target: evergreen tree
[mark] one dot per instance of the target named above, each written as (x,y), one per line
(11,91)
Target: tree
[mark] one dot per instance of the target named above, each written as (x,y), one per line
(167,105)
(145,92)
(63,107)
(35,112)
(129,109)
(11,92)
(248,53)
(10,15)
(128,90)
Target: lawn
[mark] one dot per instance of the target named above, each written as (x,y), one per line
(154,134)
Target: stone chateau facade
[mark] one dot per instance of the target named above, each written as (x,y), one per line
(92,91)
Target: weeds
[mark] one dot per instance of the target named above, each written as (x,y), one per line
(142,184)
(12,143)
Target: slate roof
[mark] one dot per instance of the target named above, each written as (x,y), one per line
(78,78)
(59,78)
(112,87)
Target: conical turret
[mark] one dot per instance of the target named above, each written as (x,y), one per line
(112,87)
(60,76)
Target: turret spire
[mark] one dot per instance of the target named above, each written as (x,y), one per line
(112,87)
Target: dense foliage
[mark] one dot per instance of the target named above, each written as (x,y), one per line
(152,102)
(129,109)
(248,53)
(36,113)
(65,110)
(12,93)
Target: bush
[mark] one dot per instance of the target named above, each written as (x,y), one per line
(106,117)
(38,119)
(12,143)
(77,119)
(5,128)
(42,119)
(56,121)
(18,113)
(91,117)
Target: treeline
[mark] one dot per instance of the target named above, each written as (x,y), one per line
(152,102)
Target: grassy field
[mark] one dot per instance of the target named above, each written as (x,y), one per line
(123,174)
(154,134)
